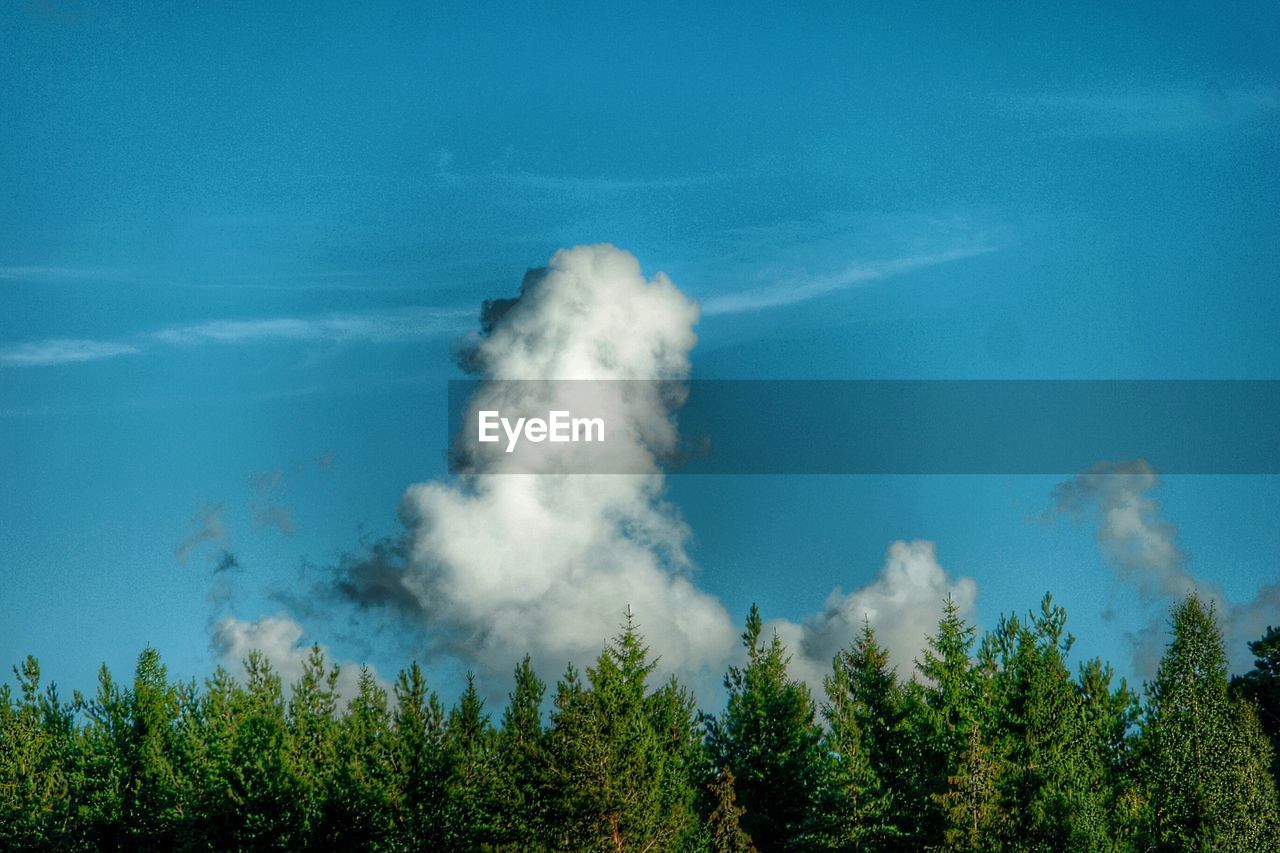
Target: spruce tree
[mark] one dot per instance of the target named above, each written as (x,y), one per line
(727,834)
(470,753)
(420,764)
(364,800)
(1261,686)
(618,764)
(522,761)
(956,770)
(769,740)
(1207,761)
(865,751)
(313,740)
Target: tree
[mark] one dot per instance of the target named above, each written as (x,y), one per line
(769,740)
(37,738)
(420,766)
(1261,686)
(313,740)
(364,800)
(1207,759)
(865,751)
(956,770)
(522,760)
(469,751)
(1054,783)
(618,765)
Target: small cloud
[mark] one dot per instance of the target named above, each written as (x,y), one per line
(406,324)
(903,604)
(62,351)
(280,639)
(1142,547)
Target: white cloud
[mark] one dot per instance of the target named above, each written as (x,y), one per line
(280,639)
(504,563)
(903,604)
(62,351)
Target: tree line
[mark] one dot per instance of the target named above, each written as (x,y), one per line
(992,744)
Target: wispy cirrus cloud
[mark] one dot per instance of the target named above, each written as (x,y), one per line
(1145,110)
(576,184)
(56,273)
(803,290)
(54,351)
(380,327)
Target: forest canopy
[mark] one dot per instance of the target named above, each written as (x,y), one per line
(995,742)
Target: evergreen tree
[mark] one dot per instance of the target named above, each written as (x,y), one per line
(313,741)
(1207,761)
(1053,775)
(1110,717)
(420,765)
(365,800)
(865,750)
(522,760)
(37,740)
(269,801)
(769,740)
(956,768)
(1261,686)
(151,795)
(619,772)
(469,748)
(993,749)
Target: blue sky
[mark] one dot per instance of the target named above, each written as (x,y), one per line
(238,244)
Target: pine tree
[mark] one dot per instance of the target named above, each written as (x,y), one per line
(1053,779)
(270,802)
(769,740)
(1207,760)
(420,764)
(37,737)
(469,747)
(956,760)
(1261,686)
(313,740)
(617,770)
(865,750)
(1110,717)
(522,761)
(364,800)
(151,796)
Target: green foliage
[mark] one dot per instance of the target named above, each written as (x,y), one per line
(621,757)
(866,752)
(991,745)
(1261,686)
(769,740)
(1208,762)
